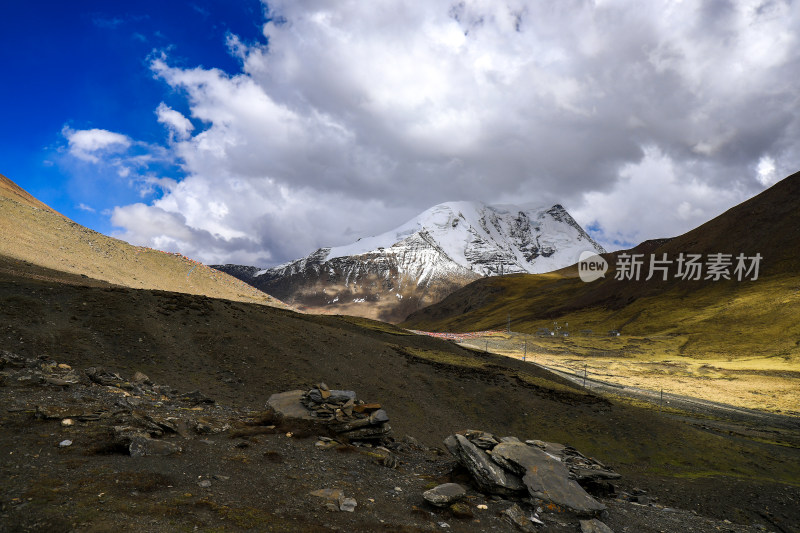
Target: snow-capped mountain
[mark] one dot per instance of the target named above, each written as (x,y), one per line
(390,275)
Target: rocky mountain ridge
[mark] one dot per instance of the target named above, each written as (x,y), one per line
(418,263)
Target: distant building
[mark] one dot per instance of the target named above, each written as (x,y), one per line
(613,333)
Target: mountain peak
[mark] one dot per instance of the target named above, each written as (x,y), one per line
(387,276)
(490,239)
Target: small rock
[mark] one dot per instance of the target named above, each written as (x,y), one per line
(594,526)
(206,483)
(64,366)
(347,505)
(482,506)
(141,379)
(366,407)
(445,494)
(67,422)
(315,395)
(516,517)
(461,510)
(336,500)
(481,439)
(219,477)
(65,443)
(378,417)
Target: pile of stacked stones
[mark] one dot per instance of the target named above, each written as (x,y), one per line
(338,410)
(552,474)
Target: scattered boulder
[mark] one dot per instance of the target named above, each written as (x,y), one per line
(549,472)
(444,495)
(545,477)
(487,474)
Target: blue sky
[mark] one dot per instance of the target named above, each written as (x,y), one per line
(88,67)
(254,133)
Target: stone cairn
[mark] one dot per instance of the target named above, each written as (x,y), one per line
(338,410)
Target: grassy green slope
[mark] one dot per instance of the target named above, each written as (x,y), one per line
(731,319)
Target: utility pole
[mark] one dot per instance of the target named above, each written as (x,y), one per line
(525,353)
(508,327)
(584,376)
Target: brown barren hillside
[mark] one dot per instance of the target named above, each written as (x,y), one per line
(34,233)
(728,318)
(10,190)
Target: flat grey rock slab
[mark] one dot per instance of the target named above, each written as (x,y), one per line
(444,495)
(289,405)
(489,475)
(546,478)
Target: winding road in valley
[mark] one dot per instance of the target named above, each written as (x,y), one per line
(705,414)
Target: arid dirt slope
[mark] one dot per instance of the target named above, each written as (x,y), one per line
(241,353)
(31,231)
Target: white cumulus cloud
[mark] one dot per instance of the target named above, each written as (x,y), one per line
(89,145)
(643,118)
(179,125)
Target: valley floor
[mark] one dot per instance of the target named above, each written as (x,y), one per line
(763,384)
